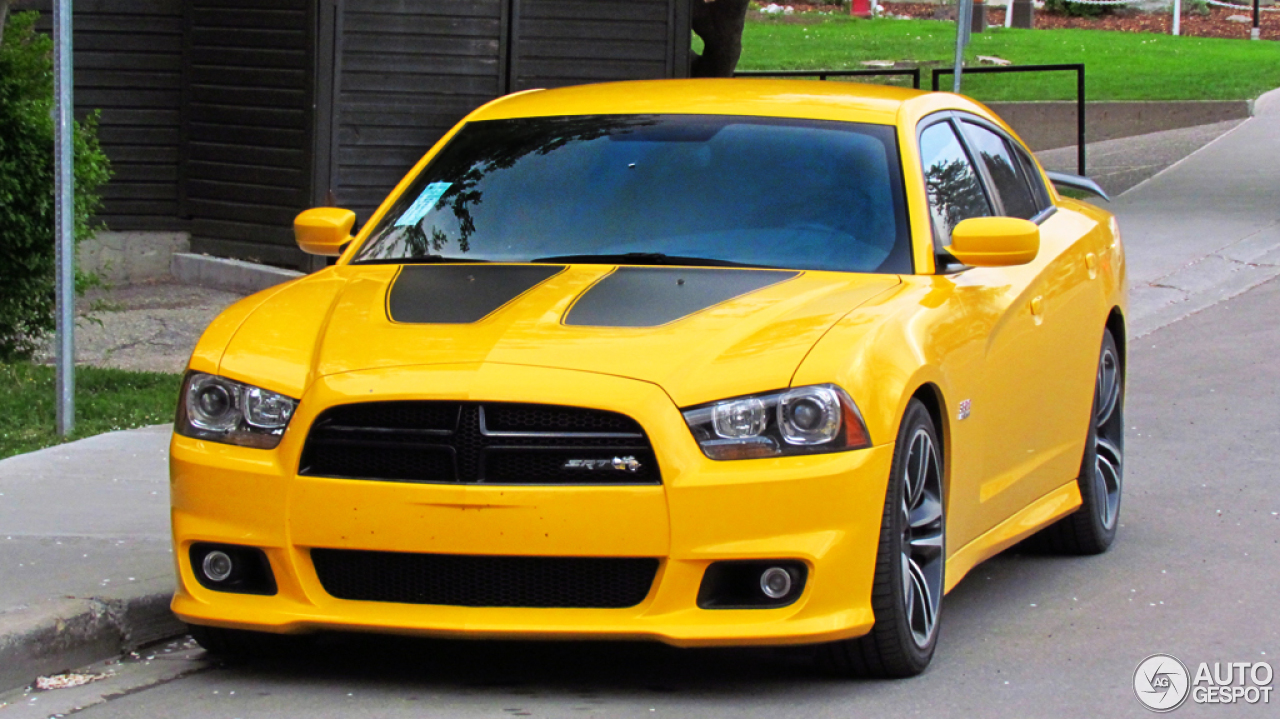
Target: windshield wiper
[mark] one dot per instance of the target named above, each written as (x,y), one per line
(427,260)
(644,258)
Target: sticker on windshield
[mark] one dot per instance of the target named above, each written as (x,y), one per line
(421,206)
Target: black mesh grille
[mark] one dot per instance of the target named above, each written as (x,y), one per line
(484,581)
(492,442)
(547,418)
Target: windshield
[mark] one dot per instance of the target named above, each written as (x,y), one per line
(656,189)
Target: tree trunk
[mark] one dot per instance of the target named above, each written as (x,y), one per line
(4,15)
(719,23)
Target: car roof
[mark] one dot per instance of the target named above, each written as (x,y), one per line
(802,99)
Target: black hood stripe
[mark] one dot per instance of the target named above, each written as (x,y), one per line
(460,294)
(653,296)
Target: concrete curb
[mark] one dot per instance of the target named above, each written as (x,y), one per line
(63,634)
(223,274)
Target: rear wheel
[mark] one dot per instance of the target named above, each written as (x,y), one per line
(1092,528)
(907,592)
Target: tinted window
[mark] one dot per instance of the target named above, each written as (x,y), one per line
(756,191)
(1038,189)
(1006,172)
(955,192)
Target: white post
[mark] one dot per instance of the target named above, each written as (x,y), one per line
(1008,14)
(1177,17)
(64,223)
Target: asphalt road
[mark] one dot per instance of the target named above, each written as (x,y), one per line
(1193,574)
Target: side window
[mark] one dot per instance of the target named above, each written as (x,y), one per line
(955,192)
(1038,190)
(1007,174)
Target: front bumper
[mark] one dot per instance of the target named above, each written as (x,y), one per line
(823,510)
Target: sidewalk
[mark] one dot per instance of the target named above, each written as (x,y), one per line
(85,564)
(1208,228)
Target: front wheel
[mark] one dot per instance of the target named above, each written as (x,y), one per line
(906,595)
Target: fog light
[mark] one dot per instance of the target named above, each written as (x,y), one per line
(218,566)
(775,582)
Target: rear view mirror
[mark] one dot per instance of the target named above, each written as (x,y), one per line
(323,230)
(995,241)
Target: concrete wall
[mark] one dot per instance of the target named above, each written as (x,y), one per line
(121,258)
(1048,125)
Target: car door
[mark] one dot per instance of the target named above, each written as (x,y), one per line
(972,170)
(1054,372)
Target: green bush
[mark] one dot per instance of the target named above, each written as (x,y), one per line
(26,186)
(1075,9)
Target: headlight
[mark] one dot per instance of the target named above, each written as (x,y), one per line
(223,410)
(803,420)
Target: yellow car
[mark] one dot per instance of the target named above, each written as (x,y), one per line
(708,362)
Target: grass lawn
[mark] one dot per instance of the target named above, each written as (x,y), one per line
(1118,65)
(106,400)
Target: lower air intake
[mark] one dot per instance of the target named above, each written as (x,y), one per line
(485,581)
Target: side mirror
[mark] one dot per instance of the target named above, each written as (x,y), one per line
(995,241)
(323,230)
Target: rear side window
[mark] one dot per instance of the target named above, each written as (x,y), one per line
(1006,172)
(955,191)
(1038,189)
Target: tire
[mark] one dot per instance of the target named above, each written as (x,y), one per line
(240,644)
(1092,528)
(906,595)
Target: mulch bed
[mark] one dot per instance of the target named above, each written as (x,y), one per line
(1215,24)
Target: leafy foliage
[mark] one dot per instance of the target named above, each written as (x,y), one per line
(26,186)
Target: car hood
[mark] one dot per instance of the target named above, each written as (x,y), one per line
(699,333)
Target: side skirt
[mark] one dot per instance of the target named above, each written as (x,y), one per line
(1036,516)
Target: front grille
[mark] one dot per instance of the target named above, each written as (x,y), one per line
(490,442)
(485,581)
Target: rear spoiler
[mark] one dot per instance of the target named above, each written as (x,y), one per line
(1077,182)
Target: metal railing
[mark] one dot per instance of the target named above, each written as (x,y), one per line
(1077,68)
(913,72)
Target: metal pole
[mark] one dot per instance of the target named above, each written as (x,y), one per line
(964,17)
(1257,22)
(1080,145)
(1177,17)
(64,224)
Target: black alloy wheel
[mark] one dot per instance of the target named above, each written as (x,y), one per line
(907,592)
(1092,528)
